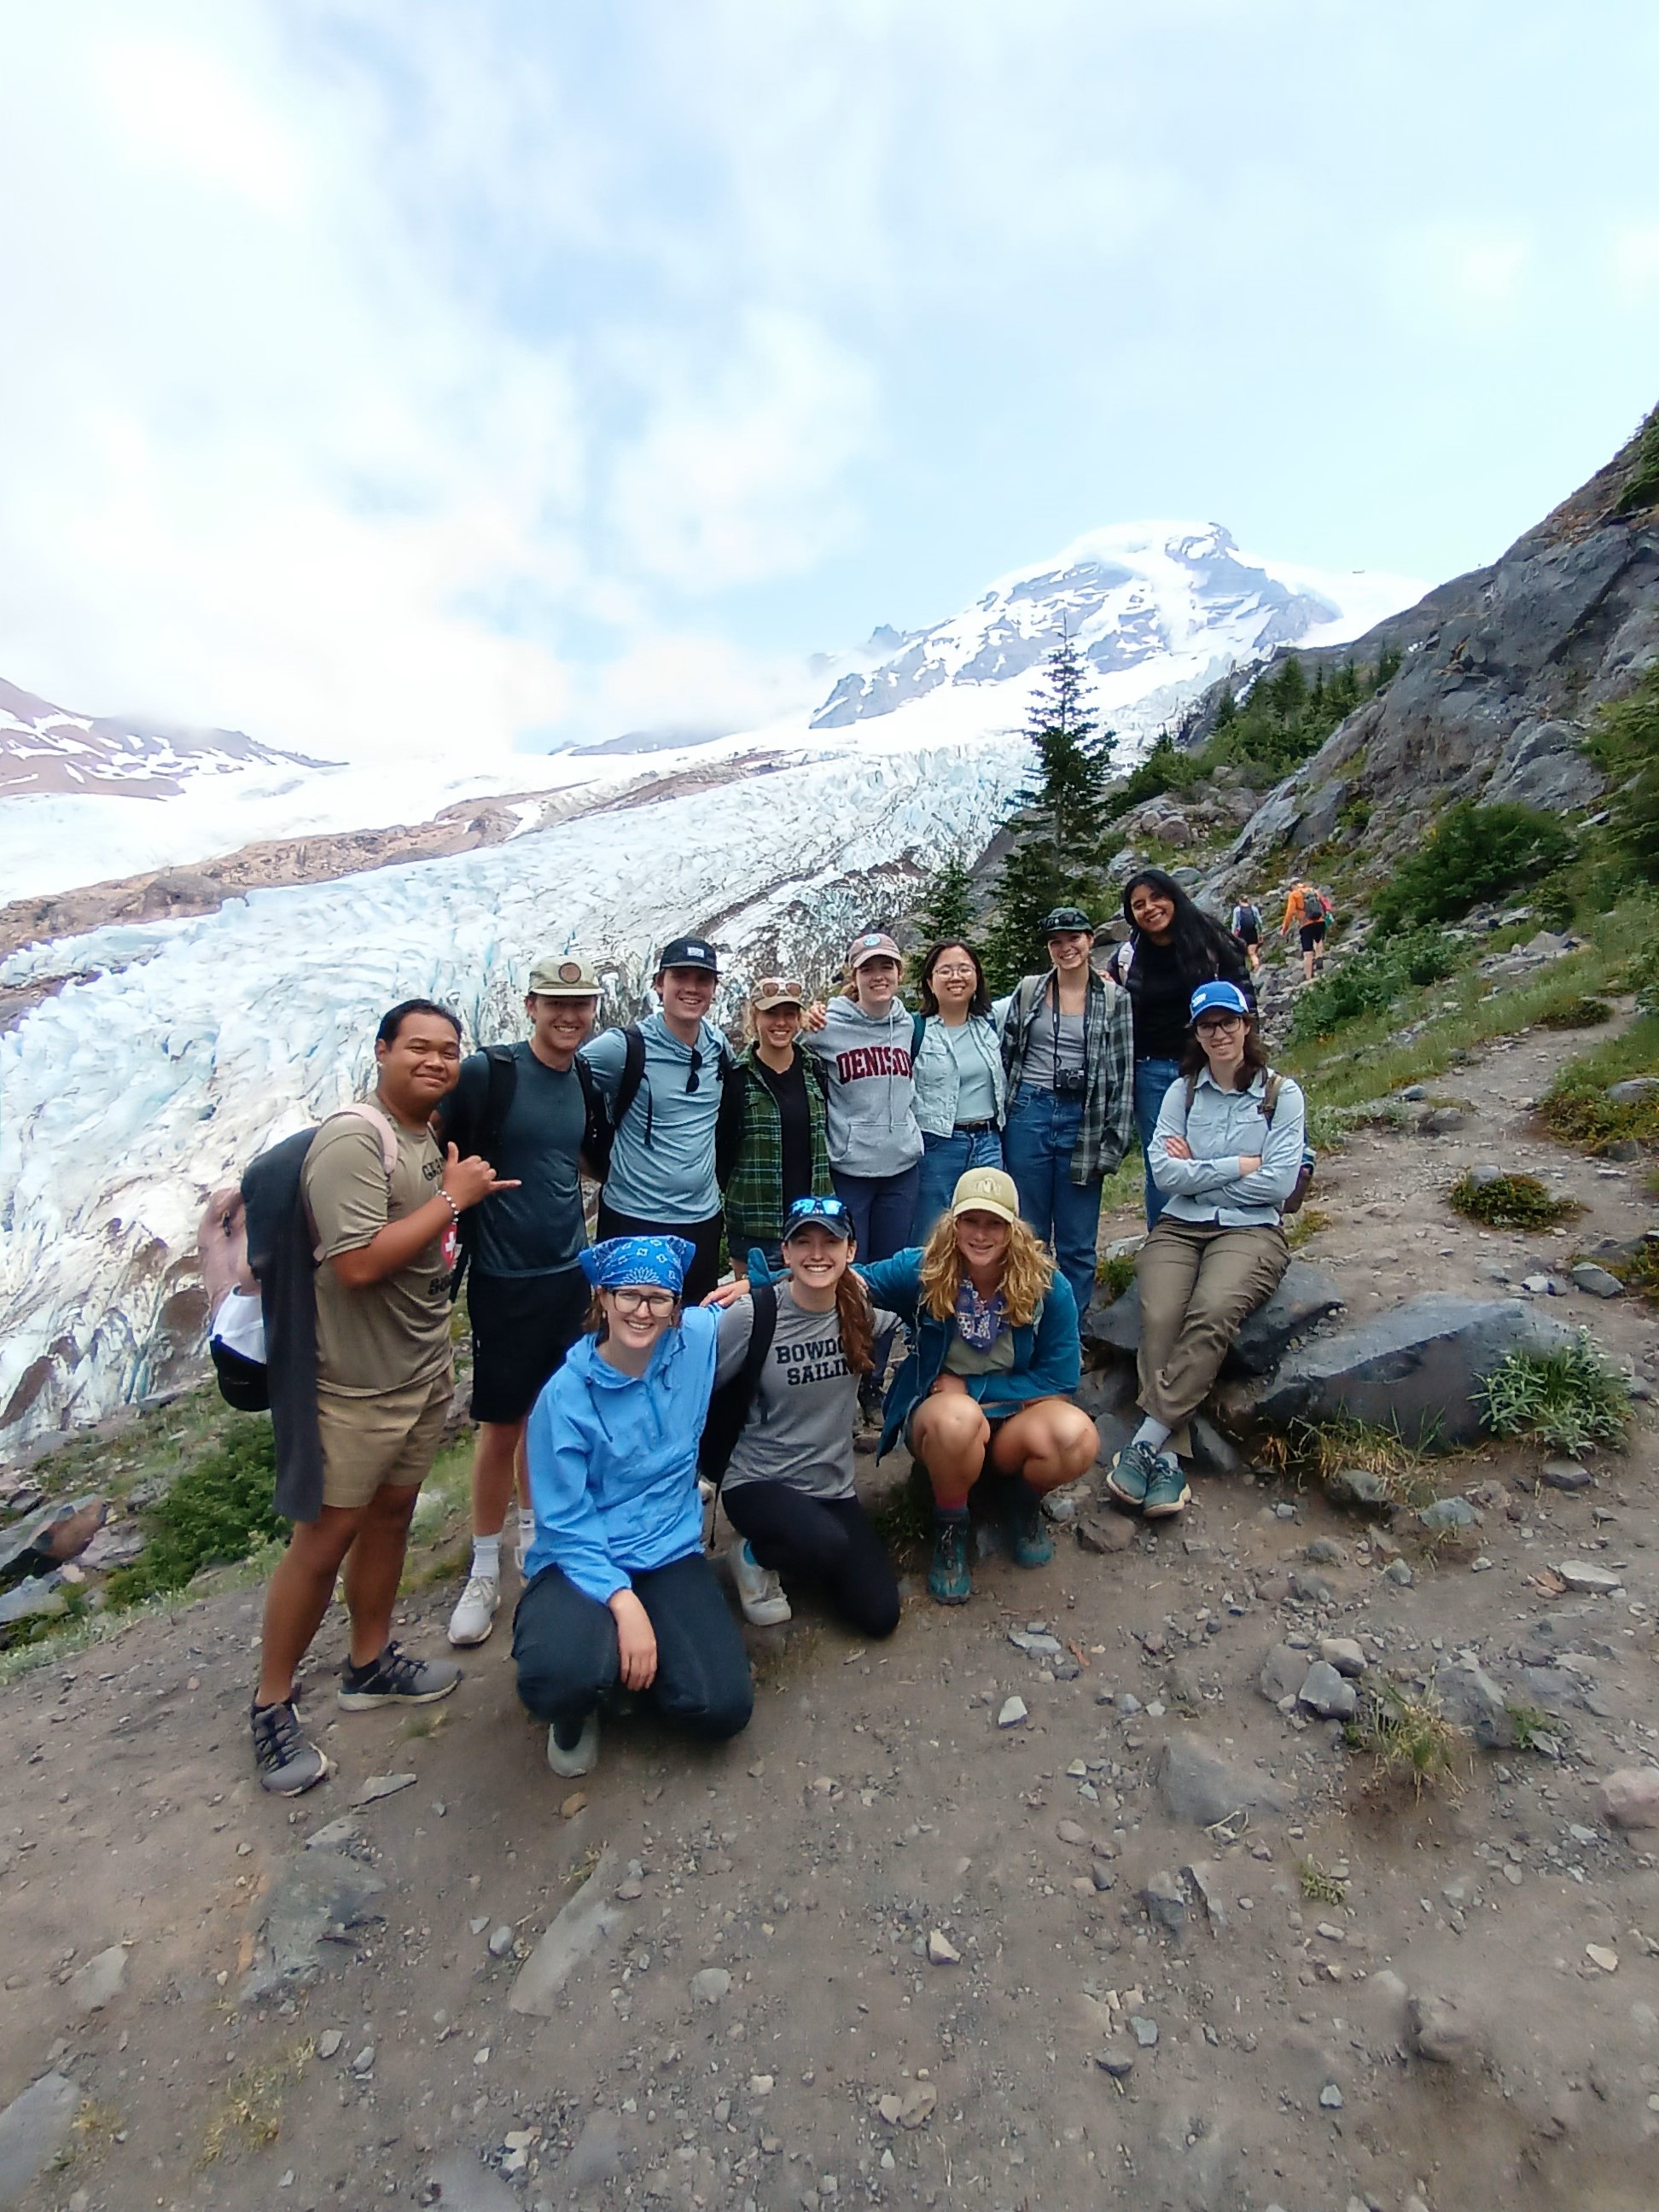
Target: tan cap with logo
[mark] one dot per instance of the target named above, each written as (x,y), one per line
(986,1190)
(563,975)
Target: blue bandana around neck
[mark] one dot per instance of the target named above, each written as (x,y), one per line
(657,1261)
(979,1321)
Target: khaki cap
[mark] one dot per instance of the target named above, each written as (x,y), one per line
(986,1190)
(563,975)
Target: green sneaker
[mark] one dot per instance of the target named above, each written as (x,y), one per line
(1027,1532)
(1131,1476)
(1167,1492)
(949,1582)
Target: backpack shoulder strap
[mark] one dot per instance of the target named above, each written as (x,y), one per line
(361,1109)
(765,1300)
(728,1407)
(1191,1084)
(502,1080)
(918,1030)
(633,1074)
(1270,1095)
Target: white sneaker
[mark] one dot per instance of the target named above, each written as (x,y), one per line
(584,1755)
(759,1591)
(475,1610)
(526,1536)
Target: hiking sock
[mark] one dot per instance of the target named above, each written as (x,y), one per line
(487,1557)
(1153,1434)
(942,1514)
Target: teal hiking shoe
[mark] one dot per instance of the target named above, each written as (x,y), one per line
(1029,1540)
(1132,1473)
(949,1582)
(1167,1492)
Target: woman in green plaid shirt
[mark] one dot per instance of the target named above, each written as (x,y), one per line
(782,1155)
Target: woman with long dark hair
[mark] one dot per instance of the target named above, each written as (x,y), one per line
(957,1058)
(1173,947)
(1067,1052)
(1227,1152)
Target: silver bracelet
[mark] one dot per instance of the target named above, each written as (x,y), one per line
(454,1210)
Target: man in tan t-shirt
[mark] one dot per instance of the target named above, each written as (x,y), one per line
(385,1248)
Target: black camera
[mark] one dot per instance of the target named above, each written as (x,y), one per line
(1071,1082)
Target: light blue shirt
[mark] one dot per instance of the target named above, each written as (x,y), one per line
(1221,1128)
(946,1092)
(671,1178)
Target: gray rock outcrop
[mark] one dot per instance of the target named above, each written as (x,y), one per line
(1306,1297)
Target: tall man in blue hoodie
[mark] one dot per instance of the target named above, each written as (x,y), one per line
(662,1181)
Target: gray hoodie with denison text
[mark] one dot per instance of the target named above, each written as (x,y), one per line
(871,1124)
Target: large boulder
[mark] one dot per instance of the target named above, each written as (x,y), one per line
(1306,1297)
(1414,1368)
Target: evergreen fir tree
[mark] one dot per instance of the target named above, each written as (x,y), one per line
(1071,762)
(1033,882)
(1227,713)
(947,910)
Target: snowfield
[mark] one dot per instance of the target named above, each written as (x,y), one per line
(166,1055)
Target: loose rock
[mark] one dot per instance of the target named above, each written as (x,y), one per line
(1327,1693)
(941,1951)
(710,1986)
(100,1982)
(1199,1784)
(1012,1713)
(1630,1798)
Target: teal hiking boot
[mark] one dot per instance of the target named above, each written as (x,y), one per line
(1029,1540)
(949,1582)
(1132,1473)
(1167,1492)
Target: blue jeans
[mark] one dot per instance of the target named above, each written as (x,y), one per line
(1038,1141)
(1152,1078)
(881,1207)
(942,1160)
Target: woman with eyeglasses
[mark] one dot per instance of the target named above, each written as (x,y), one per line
(780,1153)
(1173,947)
(789,1485)
(618,1595)
(1227,1153)
(960,1086)
(993,1358)
(1067,1053)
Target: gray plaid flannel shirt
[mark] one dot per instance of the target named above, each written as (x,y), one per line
(1108,1053)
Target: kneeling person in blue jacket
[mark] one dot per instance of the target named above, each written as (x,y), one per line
(995,1351)
(618,1593)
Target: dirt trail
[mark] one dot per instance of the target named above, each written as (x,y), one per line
(874,1800)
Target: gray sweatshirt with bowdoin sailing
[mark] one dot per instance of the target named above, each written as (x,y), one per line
(871,1125)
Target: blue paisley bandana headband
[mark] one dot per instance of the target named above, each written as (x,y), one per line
(660,1262)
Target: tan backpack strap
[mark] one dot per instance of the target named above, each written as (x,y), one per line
(362,1110)
(1270,1095)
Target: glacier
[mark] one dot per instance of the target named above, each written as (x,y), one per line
(173,1052)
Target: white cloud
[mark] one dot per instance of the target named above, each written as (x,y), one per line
(1633,263)
(178,107)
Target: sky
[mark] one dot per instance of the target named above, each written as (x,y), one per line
(383,371)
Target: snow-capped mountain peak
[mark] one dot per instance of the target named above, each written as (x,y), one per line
(45,749)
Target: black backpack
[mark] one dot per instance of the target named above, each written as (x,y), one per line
(728,1409)
(728,1126)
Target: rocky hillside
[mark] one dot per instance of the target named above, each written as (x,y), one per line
(1501,673)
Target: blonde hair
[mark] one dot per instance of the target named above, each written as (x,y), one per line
(1027,1272)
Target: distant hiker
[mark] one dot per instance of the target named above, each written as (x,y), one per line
(875,1145)
(664,1081)
(533,1110)
(961,1088)
(994,1354)
(1307,911)
(1246,926)
(1173,947)
(1067,1053)
(1227,1153)
(780,1153)
(385,1205)
(620,1597)
(787,1486)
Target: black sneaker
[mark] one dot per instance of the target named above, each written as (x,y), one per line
(289,1762)
(396,1678)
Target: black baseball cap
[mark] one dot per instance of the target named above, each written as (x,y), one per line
(1065,918)
(688,952)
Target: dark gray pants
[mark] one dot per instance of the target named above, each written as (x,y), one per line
(565,1645)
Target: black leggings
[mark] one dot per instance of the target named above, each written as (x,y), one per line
(565,1643)
(822,1539)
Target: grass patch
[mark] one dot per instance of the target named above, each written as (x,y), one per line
(1314,1451)
(1582,1014)
(904,1517)
(1369,982)
(1410,1738)
(1530,1724)
(1299,1227)
(1320,1888)
(251,2109)
(217,1511)
(1577,1109)
(1565,1401)
(1640,1272)
(1510,1201)
(1114,1273)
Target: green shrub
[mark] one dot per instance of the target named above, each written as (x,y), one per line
(1369,982)
(1511,1201)
(1473,853)
(1577,1014)
(1625,746)
(218,1510)
(1563,1400)
(1114,1274)
(1641,487)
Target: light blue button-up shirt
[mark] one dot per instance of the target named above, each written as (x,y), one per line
(1223,1127)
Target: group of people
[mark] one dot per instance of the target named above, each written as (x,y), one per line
(870,1172)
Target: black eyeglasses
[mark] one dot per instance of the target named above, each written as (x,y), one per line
(696,1076)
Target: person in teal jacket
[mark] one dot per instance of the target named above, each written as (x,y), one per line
(618,1594)
(994,1354)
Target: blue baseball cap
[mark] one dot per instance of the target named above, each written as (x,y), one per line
(1219,998)
(830,1213)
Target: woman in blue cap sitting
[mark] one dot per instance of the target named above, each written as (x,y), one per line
(618,1594)
(1226,1155)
